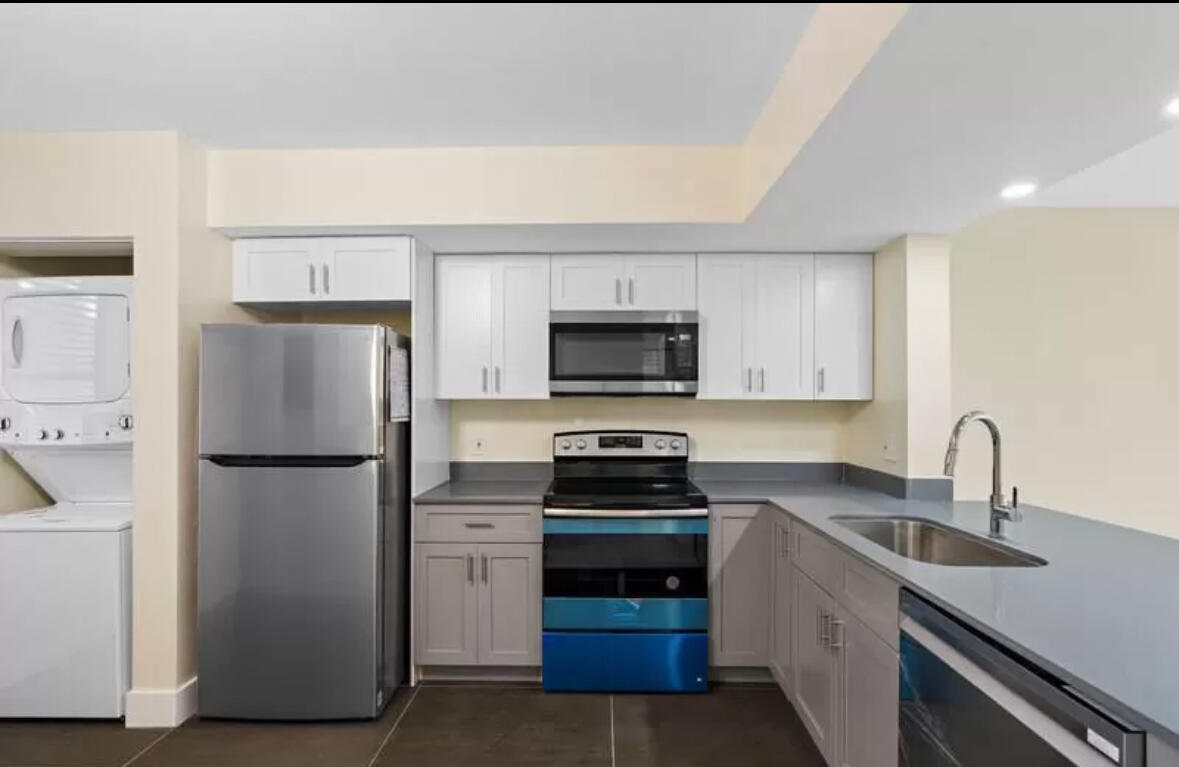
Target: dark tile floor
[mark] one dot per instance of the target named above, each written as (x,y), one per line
(449,726)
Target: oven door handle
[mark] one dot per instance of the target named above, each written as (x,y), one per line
(626,513)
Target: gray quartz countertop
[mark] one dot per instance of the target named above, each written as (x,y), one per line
(1103,614)
(486,491)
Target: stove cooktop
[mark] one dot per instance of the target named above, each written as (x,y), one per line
(630,493)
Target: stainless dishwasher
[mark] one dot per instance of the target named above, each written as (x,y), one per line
(965,701)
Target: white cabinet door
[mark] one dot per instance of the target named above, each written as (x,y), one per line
(509,604)
(781,601)
(727,315)
(276,269)
(447,609)
(521,328)
(365,269)
(739,585)
(843,326)
(464,305)
(869,673)
(661,282)
(813,664)
(785,327)
(588,282)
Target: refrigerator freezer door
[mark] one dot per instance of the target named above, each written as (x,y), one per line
(288,586)
(292,390)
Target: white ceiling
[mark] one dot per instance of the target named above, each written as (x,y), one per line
(323,75)
(1144,176)
(960,100)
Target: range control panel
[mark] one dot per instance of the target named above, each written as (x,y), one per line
(620,444)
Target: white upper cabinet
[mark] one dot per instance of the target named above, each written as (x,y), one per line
(843,326)
(757,326)
(784,329)
(492,327)
(300,270)
(366,269)
(785,326)
(644,282)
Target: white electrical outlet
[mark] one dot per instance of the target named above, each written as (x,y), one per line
(890,448)
(479,446)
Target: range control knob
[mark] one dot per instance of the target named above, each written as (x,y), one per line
(581,444)
(5,423)
(125,422)
(566,444)
(675,444)
(59,434)
(43,434)
(660,444)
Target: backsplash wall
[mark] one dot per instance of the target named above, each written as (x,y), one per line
(719,430)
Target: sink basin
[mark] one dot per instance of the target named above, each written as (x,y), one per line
(929,541)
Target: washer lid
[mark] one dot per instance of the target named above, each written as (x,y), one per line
(69,518)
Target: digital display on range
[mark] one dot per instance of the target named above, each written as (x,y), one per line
(635,441)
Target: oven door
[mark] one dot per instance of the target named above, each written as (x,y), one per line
(623,353)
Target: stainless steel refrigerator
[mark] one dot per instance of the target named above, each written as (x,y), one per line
(302,568)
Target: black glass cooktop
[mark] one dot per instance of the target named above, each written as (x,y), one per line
(624,493)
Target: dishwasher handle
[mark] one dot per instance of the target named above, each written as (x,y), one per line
(1073,725)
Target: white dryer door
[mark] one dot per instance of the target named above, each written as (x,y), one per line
(66,348)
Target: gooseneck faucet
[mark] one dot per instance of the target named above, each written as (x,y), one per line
(1000,511)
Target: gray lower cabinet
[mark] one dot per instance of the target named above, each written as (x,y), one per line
(739,584)
(781,599)
(868,672)
(478,604)
(815,683)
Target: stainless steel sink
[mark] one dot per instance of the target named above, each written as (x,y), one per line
(929,541)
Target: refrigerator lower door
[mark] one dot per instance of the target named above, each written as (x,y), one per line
(288,588)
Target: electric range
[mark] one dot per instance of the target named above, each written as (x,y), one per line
(625,565)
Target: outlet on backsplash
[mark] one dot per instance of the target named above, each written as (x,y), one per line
(479,446)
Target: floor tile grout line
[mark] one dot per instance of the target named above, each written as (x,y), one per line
(393,729)
(149,746)
(613,758)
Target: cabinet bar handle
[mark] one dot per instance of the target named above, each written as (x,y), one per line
(497,380)
(822,380)
(749,379)
(824,628)
(483,566)
(311,277)
(831,641)
(762,375)
(618,290)
(630,290)
(479,525)
(471,568)
(327,286)
(785,543)
(484,379)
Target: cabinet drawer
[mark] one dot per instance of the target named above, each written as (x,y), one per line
(507,524)
(821,560)
(873,597)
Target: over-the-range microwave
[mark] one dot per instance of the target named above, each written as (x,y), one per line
(623,353)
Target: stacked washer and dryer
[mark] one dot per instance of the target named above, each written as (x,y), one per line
(65,570)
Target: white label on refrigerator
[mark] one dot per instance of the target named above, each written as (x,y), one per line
(1103,745)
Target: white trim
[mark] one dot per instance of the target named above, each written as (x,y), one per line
(161,708)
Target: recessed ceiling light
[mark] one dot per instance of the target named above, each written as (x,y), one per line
(1172,108)
(1017,190)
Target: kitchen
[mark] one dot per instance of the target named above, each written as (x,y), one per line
(674,484)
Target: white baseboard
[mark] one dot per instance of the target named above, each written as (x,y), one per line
(161,708)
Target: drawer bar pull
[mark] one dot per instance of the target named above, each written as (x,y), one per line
(479,525)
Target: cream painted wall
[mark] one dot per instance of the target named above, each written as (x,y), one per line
(720,431)
(1064,327)
(475,185)
(903,429)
